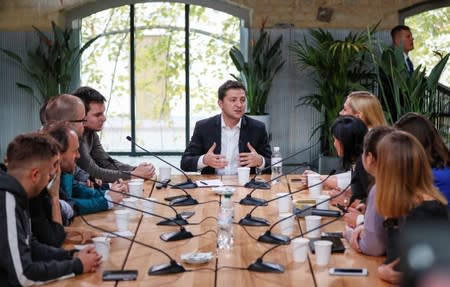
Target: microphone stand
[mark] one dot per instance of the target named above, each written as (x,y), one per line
(178,220)
(273,238)
(179,200)
(169,236)
(161,269)
(261,266)
(250,220)
(188,184)
(253,183)
(249,200)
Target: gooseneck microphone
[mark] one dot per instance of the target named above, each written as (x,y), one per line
(161,269)
(253,183)
(250,220)
(184,185)
(170,236)
(178,220)
(183,200)
(273,238)
(261,266)
(249,200)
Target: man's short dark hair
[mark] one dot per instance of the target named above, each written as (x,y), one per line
(29,147)
(229,85)
(89,95)
(60,132)
(397,29)
(60,108)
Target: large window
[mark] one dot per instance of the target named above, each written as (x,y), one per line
(169,88)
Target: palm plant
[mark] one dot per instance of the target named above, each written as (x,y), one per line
(52,64)
(338,67)
(257,74)
(413,92)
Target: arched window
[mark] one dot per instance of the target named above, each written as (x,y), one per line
(159,65)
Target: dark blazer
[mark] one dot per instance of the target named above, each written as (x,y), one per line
(209,130)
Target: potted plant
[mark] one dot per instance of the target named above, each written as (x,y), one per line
(52,64)
(264,62)
(338,67)
(413,92)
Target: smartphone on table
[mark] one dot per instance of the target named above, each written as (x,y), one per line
(348,271)
(119,275)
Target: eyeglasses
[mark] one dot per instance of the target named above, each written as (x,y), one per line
(78,121)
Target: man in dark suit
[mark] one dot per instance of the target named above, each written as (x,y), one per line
(402,41)
(222,143)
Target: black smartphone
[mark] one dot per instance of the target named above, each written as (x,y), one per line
(187,214)
(332,234)
(170,198)
(119,275)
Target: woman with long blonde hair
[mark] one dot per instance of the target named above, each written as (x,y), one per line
(366,106)
(405,193)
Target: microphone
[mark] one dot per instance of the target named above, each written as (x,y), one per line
(170,236)
(184,185)
(178,220)
(182,200)
(269,237)
(161,269)
(253,183)
(260,266)
(258,221)
(249,200)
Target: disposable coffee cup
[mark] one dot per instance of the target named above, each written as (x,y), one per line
(284,203)
(131,202)
(243,175)
(325,199)
(101,245)
(343,179)
(322,249)
(122,219)
(148,205)
(300,248)
(312,223)
(136,187)
(314,184)
(165,172)
(286,226)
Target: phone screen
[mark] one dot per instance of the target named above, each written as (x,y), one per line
(348,271)
(120,275)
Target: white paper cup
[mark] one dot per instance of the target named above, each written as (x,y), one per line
(243,175)
(136,187)
(165,172)
(315,189)
(284,203)
(286,226)
(312,222)
(131,202)
(323,251)
(122,219)
(300,249)
(343,179)
(148,206)
(101,245)
(323,197)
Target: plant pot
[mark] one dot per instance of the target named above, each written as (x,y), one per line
(262,118)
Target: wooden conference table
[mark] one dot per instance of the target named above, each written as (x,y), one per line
(218,272)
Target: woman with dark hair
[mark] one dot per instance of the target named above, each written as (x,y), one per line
(437,152)
(348,135)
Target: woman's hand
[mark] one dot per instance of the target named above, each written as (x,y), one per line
(387,273)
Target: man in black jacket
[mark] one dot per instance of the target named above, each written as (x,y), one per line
(224,142)
(32,161)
